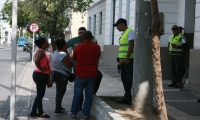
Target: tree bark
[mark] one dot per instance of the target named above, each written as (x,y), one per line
(53,42)
(155,36)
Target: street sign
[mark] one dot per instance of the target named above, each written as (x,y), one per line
(34,27)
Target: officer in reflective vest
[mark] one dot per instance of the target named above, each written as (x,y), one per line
(177,44)
(126,59)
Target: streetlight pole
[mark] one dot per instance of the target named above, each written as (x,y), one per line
(13,59)
(1,35)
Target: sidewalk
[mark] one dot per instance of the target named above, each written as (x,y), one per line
(27,92)
(181,105)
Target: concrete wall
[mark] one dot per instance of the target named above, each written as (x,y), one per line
(110,54)
(194,64)
(197,24)
(165,63)
(194,71)
(109,58)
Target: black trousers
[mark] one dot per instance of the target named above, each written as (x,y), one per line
(61,84)
(177,68)
(40,80)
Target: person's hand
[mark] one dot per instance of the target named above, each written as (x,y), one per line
(125,61)
(118,67)
(174,46)
(71,58)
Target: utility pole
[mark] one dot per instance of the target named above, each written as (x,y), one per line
(13,58)
(142,68)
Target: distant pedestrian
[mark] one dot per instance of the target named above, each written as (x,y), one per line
(40,77)
(86,55)
(176,45)
(61,67)
(125,58)
(180,28)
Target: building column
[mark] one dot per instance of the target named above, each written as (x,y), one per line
(194,42)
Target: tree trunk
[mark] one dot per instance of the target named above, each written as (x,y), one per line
(155,32)
(142,68)
(53,42)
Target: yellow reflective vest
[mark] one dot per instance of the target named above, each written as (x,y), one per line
(123,48)
(175,40)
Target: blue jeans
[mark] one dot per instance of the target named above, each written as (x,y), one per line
(40,80)
(79,85)
(127,78)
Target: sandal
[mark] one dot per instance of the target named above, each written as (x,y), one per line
(44,116)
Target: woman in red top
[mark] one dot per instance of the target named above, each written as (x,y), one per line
(40,77)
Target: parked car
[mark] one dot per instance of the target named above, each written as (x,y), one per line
(27,46)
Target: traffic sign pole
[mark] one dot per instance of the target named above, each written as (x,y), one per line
(33,49)
(34,27)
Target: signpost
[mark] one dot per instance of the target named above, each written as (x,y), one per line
(34,27)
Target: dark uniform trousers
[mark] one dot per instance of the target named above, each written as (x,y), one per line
(176,68)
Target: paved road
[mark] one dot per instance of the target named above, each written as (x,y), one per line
(5,70)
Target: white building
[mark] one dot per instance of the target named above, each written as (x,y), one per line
(78,20)
(5,33)
(103,13)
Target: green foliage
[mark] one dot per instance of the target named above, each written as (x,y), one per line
(53,16)
(22,18)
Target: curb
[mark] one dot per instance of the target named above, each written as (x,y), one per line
(102,111)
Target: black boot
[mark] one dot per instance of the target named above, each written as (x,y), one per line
(172,85)
(124,101)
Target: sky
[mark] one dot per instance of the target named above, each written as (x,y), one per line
(1,3)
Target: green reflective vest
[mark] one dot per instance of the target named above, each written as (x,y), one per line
(175,40)
(123,48)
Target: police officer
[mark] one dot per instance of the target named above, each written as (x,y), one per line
(176,45)
(126,59)
(180,29)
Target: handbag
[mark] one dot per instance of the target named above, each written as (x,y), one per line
(49,81)
(71,76)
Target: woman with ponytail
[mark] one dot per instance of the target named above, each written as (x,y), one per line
(40,77)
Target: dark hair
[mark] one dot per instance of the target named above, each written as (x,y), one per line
(125,24)
(82,28)
(39,42)
(88,35)
(60,43)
